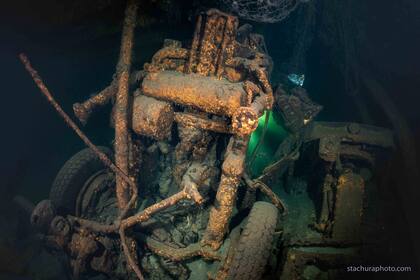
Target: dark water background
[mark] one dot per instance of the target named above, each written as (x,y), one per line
(77,58)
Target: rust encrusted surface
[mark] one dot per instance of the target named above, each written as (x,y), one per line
(212,95)
(85,109)
(122,140)
(213,43)
(152,117)
(196,121)
(180,254)
(220,213)
(206,102)
(168,58)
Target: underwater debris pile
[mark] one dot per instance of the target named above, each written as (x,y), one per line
(180,202)
(171,91)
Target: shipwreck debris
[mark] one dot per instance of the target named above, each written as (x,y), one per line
(187,121)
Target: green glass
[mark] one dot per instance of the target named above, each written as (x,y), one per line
(261,155)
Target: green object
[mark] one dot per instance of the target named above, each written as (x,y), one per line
(275,133)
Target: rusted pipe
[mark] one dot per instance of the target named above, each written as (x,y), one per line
(232,169)
(180,254)
(192,120)
(85,109)
(122,140)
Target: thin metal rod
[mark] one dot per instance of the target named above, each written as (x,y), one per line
(44,90)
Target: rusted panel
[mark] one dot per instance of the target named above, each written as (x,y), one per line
(228,44)
(212,39)
(348,207)
(152,117)
(351,132)
(213,43)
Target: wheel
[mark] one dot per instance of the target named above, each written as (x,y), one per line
(253,248)
(72,178)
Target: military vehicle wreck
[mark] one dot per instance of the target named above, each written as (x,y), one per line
(179,203)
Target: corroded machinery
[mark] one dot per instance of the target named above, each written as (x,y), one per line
(192,108)
(169,206)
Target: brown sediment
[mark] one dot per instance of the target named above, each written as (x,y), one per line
(122,140)
(232,169)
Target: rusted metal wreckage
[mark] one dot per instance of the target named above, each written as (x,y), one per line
(190,116)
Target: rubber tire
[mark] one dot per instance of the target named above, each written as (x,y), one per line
(72,177)
(255,243)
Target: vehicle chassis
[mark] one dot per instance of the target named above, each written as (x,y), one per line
(217,87)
